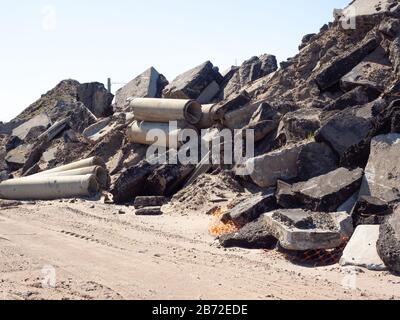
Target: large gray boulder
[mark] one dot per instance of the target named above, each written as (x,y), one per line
(39,121)
(149,84)
(251,70)
(324,193)
(370,211)
(191,84)
(389,242)
(382,174)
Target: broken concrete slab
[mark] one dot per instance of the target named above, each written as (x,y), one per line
(17,157)
(355,97)
(389,242)
(149,211)
(339,67)
(235,102)
(209,93)
(96,98)
(192,83)
(295,229)
(286,163)
(149,84)
(252,236)
(383,171)
(251,70)
(316,159)
(279,164)
(301,124)
(373,72)
(144,202)
(22,131)
(370,211)
(250,209)
(327,192)
(361,251)
(347,130)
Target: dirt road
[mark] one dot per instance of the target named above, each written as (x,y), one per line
(95,251)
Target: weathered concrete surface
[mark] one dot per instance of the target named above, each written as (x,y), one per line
(192,83)
(382,174)
(149,211)
(300,230)
(338,68)
(251,209)
(389,242)
(144,202)
(301,124)
(149,84)
(251,70)
(327,192)
(22,131)
(96,98)
(361,250)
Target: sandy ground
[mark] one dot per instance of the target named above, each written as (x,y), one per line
(93,251)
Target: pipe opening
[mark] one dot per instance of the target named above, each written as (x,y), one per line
(102,177)
(193,112)
(93,186)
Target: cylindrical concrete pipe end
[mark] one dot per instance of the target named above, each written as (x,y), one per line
(165,110)
(49,187)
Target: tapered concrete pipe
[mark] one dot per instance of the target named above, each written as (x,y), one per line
(206,117)
(100,173)
(94,161)
(165,110)
(49,188)
(145,132)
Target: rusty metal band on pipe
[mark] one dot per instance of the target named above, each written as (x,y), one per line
(49,188)
(165,110)
(100,173)
(94,161)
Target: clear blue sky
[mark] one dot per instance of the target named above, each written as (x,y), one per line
(43,42)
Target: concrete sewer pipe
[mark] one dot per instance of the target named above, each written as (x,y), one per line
(100,173)
(49,187)
(165,110)
(90,162)
(159,134)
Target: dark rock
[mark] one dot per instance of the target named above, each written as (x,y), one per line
(285,196)
(192,83)
(355,97)
(389,242)
(144,202)
(316,159)
(149,84)
(251,70)
(338,68)
(165,180)
(233,103)
(306,40)
(325,193)
(373,73)
(370,211)
(390,28)
(301,124)
(149,211)
(12,143)
(96,98)
(130,183)
(395,55)
(348,129)
(250,209)
(252,236)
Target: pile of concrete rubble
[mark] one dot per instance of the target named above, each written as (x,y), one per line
(327,131)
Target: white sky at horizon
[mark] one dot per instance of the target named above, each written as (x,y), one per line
(44,42)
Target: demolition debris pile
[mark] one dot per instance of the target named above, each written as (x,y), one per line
(327,132)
